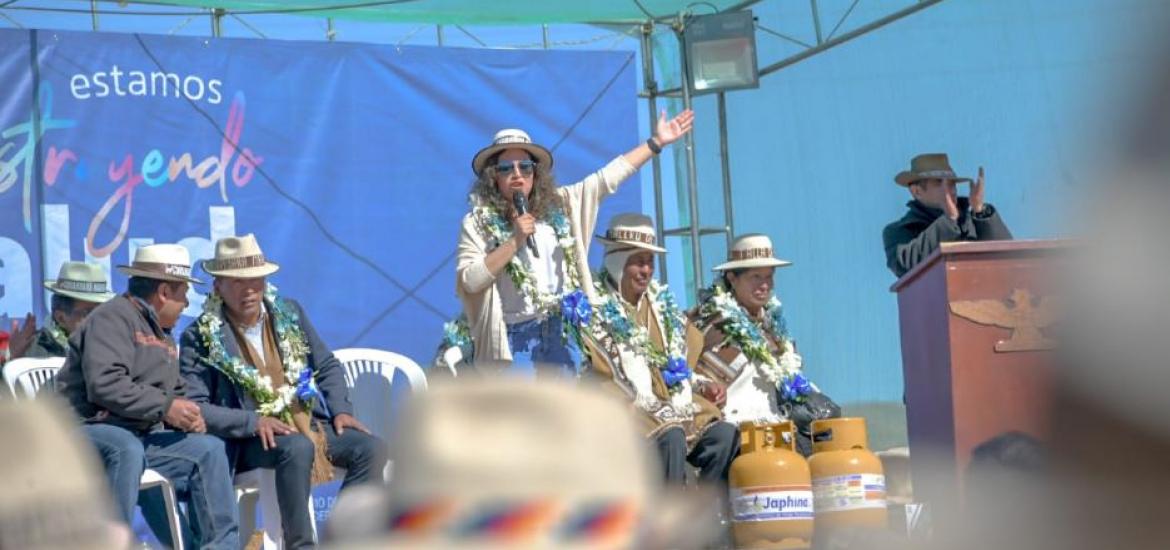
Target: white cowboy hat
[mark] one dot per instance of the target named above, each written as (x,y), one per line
(239,257)
(165,262)
(928,166)
(496,462)
(81,281)
(511,138)
(631,231)
(751,250)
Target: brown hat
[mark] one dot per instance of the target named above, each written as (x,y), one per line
(926,166)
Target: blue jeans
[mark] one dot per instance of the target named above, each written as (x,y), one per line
(197,465)
(124,459)
(539,348)
(363,456)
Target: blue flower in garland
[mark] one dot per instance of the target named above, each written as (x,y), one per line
(306,389)
(676,372)
(576,309)
(795,388)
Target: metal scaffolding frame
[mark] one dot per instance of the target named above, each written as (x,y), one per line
(693,229)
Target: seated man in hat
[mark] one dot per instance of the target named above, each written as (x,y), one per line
(267,382)
(79,288)
(636,340)
(121,376)
(937,215)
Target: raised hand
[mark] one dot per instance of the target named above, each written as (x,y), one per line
(977,193)
(669,131)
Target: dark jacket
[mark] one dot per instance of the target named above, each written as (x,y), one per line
(222,402)
(122,368)
(913,238)
(46,346)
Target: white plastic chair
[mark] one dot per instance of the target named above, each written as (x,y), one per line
(30,374)
(260,484)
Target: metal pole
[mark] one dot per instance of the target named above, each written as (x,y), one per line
(329,32)
(544,35)
(725,161)
(652,104)
(217,22)
(816,13)
(848,36)
(692,176)
(439,34)
(93,13)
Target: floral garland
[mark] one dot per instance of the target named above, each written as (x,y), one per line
(457,345)
(614,323)
(57,333)
(783,372)
(499,231)
(299,384)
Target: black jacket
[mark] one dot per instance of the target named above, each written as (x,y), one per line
(122,367)
(911,239)
(222,402)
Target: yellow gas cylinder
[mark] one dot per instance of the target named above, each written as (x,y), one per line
(847,479)
(771,498)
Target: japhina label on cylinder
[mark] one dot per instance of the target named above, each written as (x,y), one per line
(772,503)
(849,492)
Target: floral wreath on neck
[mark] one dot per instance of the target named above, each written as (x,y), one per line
(612,321)
(498,231)
(57,333)
(290,339)
(720,306)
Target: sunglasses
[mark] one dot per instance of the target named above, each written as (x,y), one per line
(526,167)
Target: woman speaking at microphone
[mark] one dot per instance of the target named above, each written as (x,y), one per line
(519,269)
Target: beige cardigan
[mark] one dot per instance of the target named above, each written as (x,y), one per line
(475,285)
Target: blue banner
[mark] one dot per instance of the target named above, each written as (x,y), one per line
(351,163)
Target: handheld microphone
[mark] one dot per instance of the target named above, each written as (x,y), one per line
(521,204)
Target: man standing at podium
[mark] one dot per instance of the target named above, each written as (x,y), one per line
(937,214)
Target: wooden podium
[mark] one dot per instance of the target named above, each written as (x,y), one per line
(975,357)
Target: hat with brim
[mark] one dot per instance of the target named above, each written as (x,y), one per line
(81,281)
(511,138)
(165,262)
(630,231)
(748,251)
(928,166)
(558,466)
(240,258)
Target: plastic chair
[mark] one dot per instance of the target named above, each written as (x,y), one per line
(31,374)
(259,485)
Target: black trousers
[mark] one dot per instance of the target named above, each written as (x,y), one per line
(363,456)
(712,454)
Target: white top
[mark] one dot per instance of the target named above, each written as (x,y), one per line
(548,271)
(255,334)
(750,397)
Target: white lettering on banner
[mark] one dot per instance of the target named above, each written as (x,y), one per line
(849,492)
(101,84)
(17,286)
(771,503)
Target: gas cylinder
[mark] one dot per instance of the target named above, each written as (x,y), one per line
(848,484)
(771,496)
